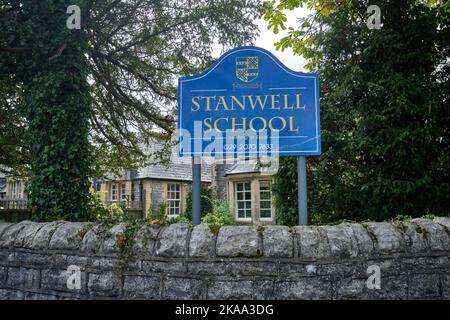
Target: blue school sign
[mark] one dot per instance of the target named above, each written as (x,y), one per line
(249,103)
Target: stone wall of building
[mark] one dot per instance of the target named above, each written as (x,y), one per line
(219,180)
(41,261)
(158,194)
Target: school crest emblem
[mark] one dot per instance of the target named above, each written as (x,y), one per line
(247,68)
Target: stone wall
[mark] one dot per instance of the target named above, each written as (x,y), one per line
(241,262)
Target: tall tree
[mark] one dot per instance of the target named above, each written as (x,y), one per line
(112,81)
(14,146)
(384,108)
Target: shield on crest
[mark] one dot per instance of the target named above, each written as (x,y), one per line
(247,68)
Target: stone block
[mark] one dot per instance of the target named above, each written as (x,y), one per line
(23,278)
(445,280)
(3,275)
(388,237)
(93,239)
(63,261)
(423,286)
(183,288)
(278,242)
(256,268)
(443,221)
(145,241)
(202,242)
(3,227)
(173,241)
(110,244)
(363,239)
(33,260)
(167,267)
(303,289)
(341,241)
(240,290)
(438,264)
(106,284)
(392,288)
(312,243)
(59,280)
(138,287)
(387,266)
(208,268)
(240,241)
(44,235)
(414,241)
(10,233)
(67,236)
(352,289)
(436,234)
(339,270)
(24,238)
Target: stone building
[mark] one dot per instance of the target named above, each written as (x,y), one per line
(13,193)
(242,183)
(153,186)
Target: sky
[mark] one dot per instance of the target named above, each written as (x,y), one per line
(267,39)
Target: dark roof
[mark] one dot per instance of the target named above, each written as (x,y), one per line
(176,168)
(243,166)
(173,171)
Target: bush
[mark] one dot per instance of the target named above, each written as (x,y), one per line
(98,213)
(160,215)
(183,218)
(220,215)
(205,202)
(112,215)
(95,207)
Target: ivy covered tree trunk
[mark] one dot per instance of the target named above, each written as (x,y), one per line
(58,107)
(132,52)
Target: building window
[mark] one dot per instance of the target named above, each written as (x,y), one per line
(114,192)
(13,190)
(243,201)
(123,192)
(173,199)
(137,192)
(16,190)
(265,200)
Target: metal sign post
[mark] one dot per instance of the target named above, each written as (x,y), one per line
(196,186)
(302,198)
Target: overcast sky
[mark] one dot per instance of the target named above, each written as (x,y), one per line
(267,39)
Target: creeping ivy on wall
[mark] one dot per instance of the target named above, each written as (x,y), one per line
(53,74)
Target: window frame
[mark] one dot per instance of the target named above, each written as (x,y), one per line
(116,193)
(123,192)
(13,190)
(245,201)
(16,190)
(270,200)
(170,200)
